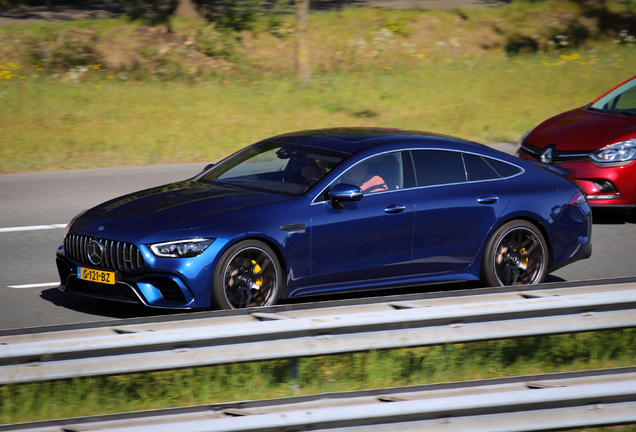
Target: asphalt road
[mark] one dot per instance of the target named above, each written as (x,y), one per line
(34,208)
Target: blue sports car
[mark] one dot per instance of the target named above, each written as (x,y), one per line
(329,210)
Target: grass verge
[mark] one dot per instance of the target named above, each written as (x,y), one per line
(206,385)
(51,125)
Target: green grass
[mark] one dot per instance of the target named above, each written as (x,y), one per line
(206,385)
(48,124)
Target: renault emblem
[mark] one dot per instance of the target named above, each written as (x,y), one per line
(95,252)
(546,157)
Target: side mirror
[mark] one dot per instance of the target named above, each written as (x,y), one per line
(344,192)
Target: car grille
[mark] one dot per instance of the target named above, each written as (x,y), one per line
(557,156)
(116,255)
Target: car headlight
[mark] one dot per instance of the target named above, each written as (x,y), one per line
(620,152)
(181,248)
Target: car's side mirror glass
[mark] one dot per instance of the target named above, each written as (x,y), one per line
(345,192)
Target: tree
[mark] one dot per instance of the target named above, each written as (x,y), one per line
(303,69)
(187,9)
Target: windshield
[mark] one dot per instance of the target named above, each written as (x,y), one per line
(621,100)
(289,169)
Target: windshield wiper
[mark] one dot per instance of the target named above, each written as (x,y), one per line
(628,113)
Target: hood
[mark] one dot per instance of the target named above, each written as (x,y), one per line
(581,129)
(181,205)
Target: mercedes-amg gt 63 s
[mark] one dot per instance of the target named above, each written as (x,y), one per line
(326,211)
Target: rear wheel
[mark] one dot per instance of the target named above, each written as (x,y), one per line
(248,275)
(516,254)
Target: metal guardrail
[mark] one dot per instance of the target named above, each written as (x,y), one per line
(529,403)
(267,336)
(444,293)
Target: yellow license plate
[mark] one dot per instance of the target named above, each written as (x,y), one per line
(96,275)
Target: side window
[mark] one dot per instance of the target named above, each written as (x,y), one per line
(503,169)
(377,174)
(478,169)
(433,167)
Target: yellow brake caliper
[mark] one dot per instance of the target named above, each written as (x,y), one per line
(258,281)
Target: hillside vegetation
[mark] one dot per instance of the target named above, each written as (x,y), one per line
(118,92)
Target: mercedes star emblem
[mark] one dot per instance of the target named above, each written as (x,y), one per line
(95,252)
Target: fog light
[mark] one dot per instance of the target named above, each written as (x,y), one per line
(604,186)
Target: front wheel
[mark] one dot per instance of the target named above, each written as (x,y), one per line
(516,254)
(247,275)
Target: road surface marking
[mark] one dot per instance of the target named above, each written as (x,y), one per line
(32,228)
(40,285)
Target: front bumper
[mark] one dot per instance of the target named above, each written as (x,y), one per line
(154,289)
(612,186)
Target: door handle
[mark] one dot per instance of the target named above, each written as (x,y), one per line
(395,208)
(488,199)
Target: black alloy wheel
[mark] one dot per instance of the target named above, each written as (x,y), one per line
(516,254)
(248,275)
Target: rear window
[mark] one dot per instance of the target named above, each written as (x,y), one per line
(503,169)
(478,169)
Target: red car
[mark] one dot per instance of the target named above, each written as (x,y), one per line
(596,143)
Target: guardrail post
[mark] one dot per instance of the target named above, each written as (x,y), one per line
(293,374)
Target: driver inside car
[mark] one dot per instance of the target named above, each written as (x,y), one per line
(312,170)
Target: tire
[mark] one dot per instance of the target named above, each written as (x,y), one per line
(247,275)
(516,254)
